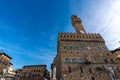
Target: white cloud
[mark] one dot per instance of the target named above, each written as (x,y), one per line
(111,24)
(101,17)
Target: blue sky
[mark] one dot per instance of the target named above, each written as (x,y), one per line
(29,28)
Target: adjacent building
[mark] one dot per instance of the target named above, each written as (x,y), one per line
(18,73)
(33,72)
(4,61)
(116,53)
(11,73)
(83,56)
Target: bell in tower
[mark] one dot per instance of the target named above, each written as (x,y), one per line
(77,24)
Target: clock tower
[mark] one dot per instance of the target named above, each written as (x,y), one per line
(84,56)
(77,24)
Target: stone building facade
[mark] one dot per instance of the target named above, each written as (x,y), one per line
(116,53)
(4,61)
(33,72)
(18,73)
(11,73)
(84,56)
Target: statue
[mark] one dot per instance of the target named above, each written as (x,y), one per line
(4,73)
(111,71)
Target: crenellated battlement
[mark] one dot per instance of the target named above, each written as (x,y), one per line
(70,36)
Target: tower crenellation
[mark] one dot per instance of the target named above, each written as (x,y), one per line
(79,37)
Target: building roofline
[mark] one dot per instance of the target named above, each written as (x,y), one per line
(115,49)
(6,55)
(11,63)
(18,69)
(33,65)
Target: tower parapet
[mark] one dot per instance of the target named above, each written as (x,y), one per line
(88,37)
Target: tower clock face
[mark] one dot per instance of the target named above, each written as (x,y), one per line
(81,31)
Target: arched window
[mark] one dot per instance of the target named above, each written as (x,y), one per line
(76,47)
(81,47)
(66,59)
(73,59)
(70,47)
(86,58)
(80,60)
(103,48)
(97,47)
(64,46)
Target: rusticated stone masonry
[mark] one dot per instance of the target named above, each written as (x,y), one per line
(83,56)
